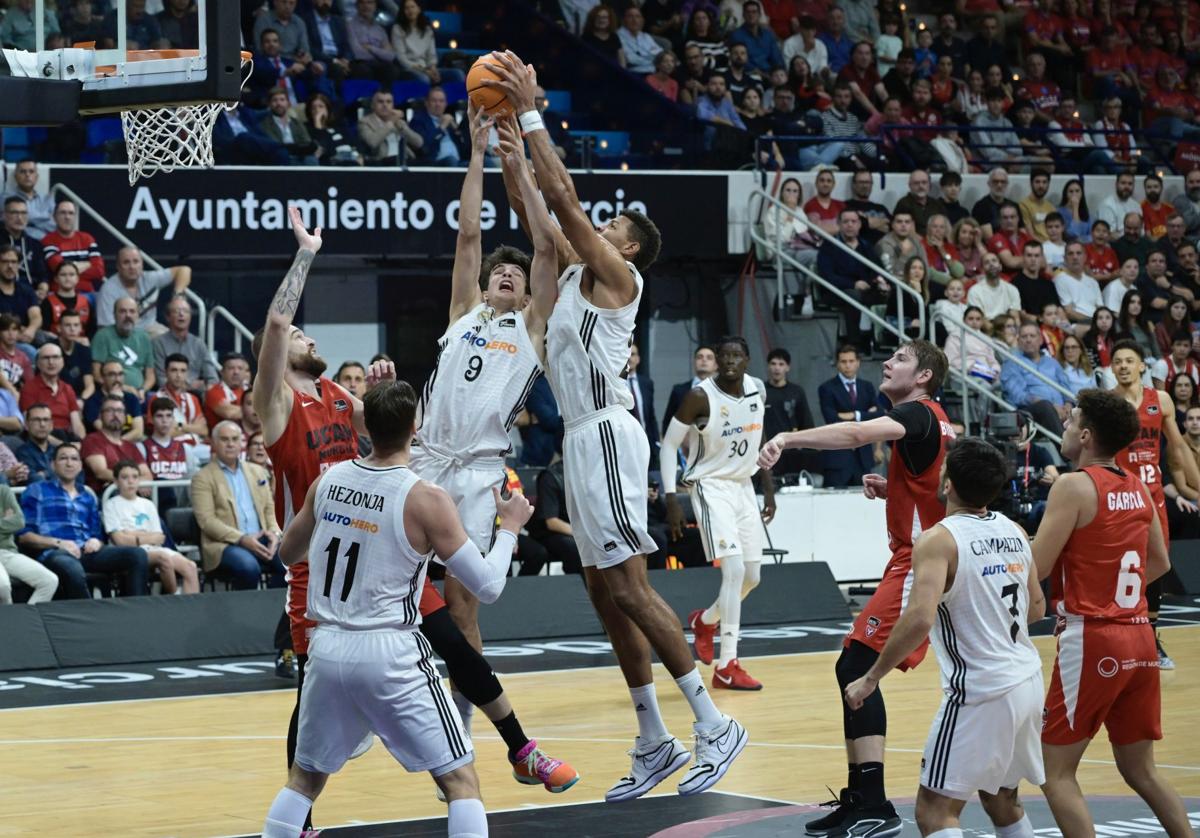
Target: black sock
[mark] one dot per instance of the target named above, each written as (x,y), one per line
(854,779)
(510,731)
(870,783)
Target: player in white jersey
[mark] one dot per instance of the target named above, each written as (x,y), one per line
(975,585)
(371,526)
(606,455)
(722,421)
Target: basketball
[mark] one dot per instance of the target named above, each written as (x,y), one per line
(489,100)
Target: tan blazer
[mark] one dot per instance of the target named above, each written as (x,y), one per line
(212,501)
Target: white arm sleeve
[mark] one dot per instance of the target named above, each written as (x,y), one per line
(483,575)
(668,454)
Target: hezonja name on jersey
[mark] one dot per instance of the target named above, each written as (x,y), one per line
(353,523)
(483,343)
(986,546)
(353,497)
(741,429)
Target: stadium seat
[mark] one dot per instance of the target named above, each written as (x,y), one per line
(446,23)
(402,91)
(456,91)
(355,89)
(558,101)
(102,130)
(607,143)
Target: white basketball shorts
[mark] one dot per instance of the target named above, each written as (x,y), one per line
(987,746)
(382,682)
(728,518)
(469,486)
(606,460)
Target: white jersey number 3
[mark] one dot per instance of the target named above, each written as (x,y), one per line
(1129,582)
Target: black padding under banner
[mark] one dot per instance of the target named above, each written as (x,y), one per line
(23,640)
(1185,559)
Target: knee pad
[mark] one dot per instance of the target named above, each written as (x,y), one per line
(469,670)
(870,719)
(753,575)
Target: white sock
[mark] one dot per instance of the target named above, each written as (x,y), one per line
(729,601)
(712,614)
(285,818)
(951,832)
(692,687)
(729,638)
(650,721)
(1021,829)
(465,709)
(467,819)
(751,579)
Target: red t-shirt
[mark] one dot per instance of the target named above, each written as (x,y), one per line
(16,366)
(58,306)
(166,462)
(1160,100)
(926,116)
(1041,24)
(866,80)
(1155,218)
(1014,244)
(1107,61)
(813,207)
(1101,259)
(219,394)
(97,443)
(1145,62)
(61,403)
(1044,94)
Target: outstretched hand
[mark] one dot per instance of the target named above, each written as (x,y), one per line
(769,454)
(480,126)
(517,80)
(379,372)
(511,148)
(305,240)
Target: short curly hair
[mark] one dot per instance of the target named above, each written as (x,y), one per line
(504,254)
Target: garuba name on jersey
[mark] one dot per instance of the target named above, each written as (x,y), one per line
(485,368)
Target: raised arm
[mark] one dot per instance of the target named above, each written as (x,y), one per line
(842,435)
(607,264)
(272,395)
(468,249)
(566,253)
(543,273)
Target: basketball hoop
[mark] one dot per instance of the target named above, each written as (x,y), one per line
(163,139)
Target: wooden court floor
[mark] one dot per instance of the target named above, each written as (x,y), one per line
(210,766)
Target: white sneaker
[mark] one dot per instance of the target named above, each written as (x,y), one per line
(806,308)
(653,762)
(716,749)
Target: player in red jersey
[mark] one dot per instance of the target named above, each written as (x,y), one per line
(918,430)
(1141,457)
(1100,542)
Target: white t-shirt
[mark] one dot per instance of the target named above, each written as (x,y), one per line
(1083,293)
(1114,293)
(1054,253)
(138,514)
(995,301)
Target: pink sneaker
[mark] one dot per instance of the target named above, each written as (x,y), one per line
(532,767)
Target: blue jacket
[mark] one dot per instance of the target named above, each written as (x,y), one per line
(541,441)
(835,399)
(763,47)
(1022,388)
(432,134)
(842,269)
(338,29)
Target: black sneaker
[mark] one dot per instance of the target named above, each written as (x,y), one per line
(843,807)
(285,664)
(869,822)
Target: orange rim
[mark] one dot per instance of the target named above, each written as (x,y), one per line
(153,55)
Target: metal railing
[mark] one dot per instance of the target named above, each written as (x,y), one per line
(240,332)
(152,485)
(781,256)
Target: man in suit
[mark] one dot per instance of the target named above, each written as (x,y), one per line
(642,388)
(446,143)
(235,508)
(847,398)
(704,364)
(238,141)
(327,38)
(284,128)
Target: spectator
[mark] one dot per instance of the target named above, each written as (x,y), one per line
(102,449)
(14,361)
(1168,110)
(40,221)
(739,76)
(1027,390)
(31,260)
(838,45)
(1034,206)
(1009,241)
(974,355)
(898,81)
(112,383)
(1132,324)
(179,340)
(1175,320)
(641,387)
(272,69)
(328,39)
(128,344)
(80,22)
(704,37)
(293,34)
(239,538)
(863,80)
(822,210)
(66,243)
(662,79)
(224,399)
(971,99)
(854,276)
(951,309)
(968,238)
(285,129)
(140,285)
(917,202)
(370,46)
(413,43)
(65,299)
(1036,291)
(808,46)
(1115,291)
(987,209)
(1074,211)
(77,355)
(1154,210)
(1102,261)
(1132,244)
(637,44)
(189,417)
(889,43)
(18,299)
(551,525)
(900,244)
(333,147)
(132,521)
(47,387)
(715,105)
(12,420)
(237,140)
(876,218)
(786,409)
(1036,89)
(949,44)
(1033,146)
(256,452)
(1183,390)
(1074,143)
(166,455)
(1187,203)
(1178,361)
(664,19)
(1114,136)
(1078,293)
(1076,365)
(14,565)
(141,29)
(1119,204)
(1174,239)
(1099,339)
(1004,332)
(600,32)
(443,141)
(839,122)
(692,76)
(994,296)
(179,24)
(950,184)
(542,436)
(18,29)
(760,42)
(1188,270)
(62,524)
(351,376)
(37,452)
(847,398)
(987,48)
(704,365)
(941,255)
(1055,246)
(384,131)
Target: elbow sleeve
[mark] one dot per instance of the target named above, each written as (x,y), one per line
(484,576)
(668,454)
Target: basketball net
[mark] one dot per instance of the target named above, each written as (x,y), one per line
(177,137)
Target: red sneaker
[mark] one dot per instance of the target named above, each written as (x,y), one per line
(704,635)
(731,676)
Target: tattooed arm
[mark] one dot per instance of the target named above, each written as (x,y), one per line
(272,395)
